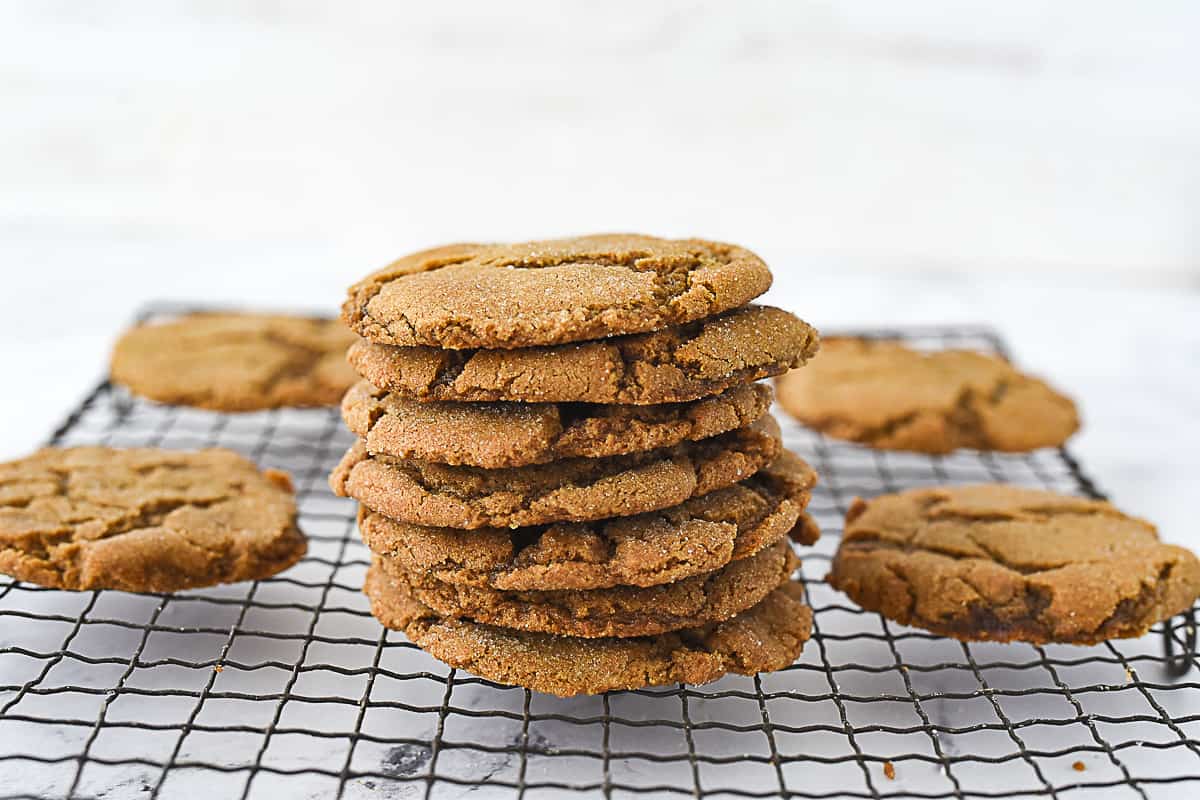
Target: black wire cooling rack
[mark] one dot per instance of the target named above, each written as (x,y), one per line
(288,687)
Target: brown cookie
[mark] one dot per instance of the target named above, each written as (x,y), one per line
(768,636)
(498,435)
(885,395)
(1001,563)
(551,292)
(573,490)
(700,535)
(671,366)
(620,611)
(236,362)
(144,520)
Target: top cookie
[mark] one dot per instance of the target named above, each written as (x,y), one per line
(1001,563)
(885,395)
(236,362)
(144,520)
(550,292)
(671,366)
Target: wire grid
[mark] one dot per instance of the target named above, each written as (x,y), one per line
(288,687)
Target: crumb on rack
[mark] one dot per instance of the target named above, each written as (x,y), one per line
(889,770)
(1078,766)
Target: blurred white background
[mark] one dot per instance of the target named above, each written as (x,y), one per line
(1030,165)
(1018,136)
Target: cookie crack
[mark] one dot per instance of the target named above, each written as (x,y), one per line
(868,542)
(40,555)
(1149,598)
(1032,513)
(433,485)
(637,364)
(375,413)
(672,281)
(962,418)
(302,361)
(401,320)
(40,545)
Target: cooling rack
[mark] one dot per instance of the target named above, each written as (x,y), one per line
(288,688)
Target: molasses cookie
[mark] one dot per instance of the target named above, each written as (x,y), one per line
(884,395)
(498,435)
(1001,563)
(671,366)
(144,520)
(236,362)
(551,292)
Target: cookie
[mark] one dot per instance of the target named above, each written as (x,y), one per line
(1001,563)
(500,435)
(236,362)
(671,366)
(144,520)
(572,490)
(884,395)
(621,611)
(700,535)
(768,636)
(550,292)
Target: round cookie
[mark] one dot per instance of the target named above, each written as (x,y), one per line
(675,365)
(700,535)
(622,611)
(768,636)
(501,435)
(573,490)
(884,395)
(236,362)
(550,292)
(1001,563)
(144,520)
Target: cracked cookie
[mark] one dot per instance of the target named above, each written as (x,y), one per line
(768,636)
(550,292)
(621,611)
(669,366)
(884,395)
(144,520)
(496,435)
(572,490)
(1001,563)
(236,362)
(700,535)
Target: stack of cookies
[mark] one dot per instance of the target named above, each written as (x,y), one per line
(566,472)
